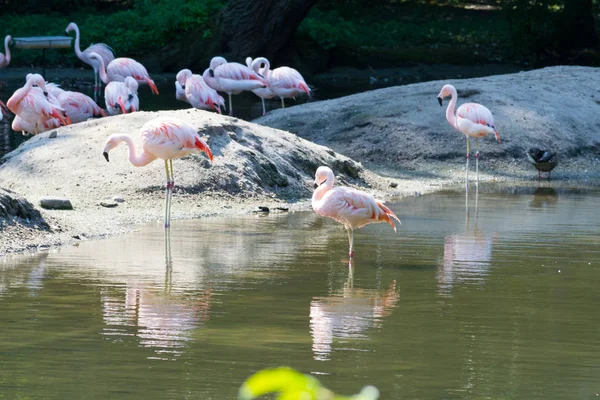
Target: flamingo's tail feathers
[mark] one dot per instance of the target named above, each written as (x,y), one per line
(152,86)
(497,135)
(388,215)
(304,88)
(204,147)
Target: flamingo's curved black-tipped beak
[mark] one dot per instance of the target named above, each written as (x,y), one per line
(46,94)
(211,72)
(105,154)
(183,87)
(440,101)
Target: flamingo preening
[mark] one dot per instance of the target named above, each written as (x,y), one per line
(165,138)
(231,78)
(101,49)
(472,120)
(5,58)
(192,89)
(351,207)
(122,97)
(122,67)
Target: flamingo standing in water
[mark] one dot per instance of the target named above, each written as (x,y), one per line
(78,106)
(283,81)
(5,58)
(197,92)
(231,78)
(101,49)
(351,207)
(165,138)
(472,120)
(122,67)
(263,93)
(32,105)
(122,97)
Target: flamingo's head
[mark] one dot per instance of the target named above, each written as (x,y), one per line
(182,77)
(323,175)
(447,90)
(71,27)
(95,56)
(216,61)
(8,39)
(112,142)
(36,80)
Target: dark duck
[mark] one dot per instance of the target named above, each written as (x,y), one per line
(542,160)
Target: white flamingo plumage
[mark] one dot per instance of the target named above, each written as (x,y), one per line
(263,93)
(231,78)
(472,120)
(122,97)
(165,138)
(350,207)
(197,92)
(31,104)
(78,106)
(285,82)
(102,49)
(122,67)
(5,58)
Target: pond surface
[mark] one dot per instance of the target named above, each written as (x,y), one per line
(490,296)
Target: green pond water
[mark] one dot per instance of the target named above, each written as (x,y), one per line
(490,296)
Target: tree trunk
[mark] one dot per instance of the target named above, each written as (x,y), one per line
(259,28)
(577,29)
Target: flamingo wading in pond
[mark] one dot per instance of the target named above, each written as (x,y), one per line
(351,207)
(101,49)
(122,67)
(231,78)
(165,138)
(263,93)
(472,120)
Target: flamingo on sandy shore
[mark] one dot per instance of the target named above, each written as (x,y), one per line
(263,93)
(283,81)
(31,104)
(231,78)
(472,120)
(351,207)
(78,106)
(197,92)
(122,97)
(5,58)
(165,138)
(122,67)
(101,49)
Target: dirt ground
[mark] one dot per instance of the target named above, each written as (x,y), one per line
(398,141)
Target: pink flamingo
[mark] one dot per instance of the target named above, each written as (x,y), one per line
(165,138)
(101,49)
(472,120)
(30,128)
(283,81)
(122,97)
(77,106)
(263,93)
(351,207)
(31,103)
(231,78)
(122,67)
(5,59)
(197,92)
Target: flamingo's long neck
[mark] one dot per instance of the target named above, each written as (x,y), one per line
(77,48)
(138,160)
(450,110)
(102,70)
(266,69)
(7,50)
(322,189)
(14,100)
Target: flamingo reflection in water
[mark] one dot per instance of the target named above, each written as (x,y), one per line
(348,313)
(160,319)
(467,256)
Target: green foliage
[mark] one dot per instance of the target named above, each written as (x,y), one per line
(146,27)
(327,28)
(290,384)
